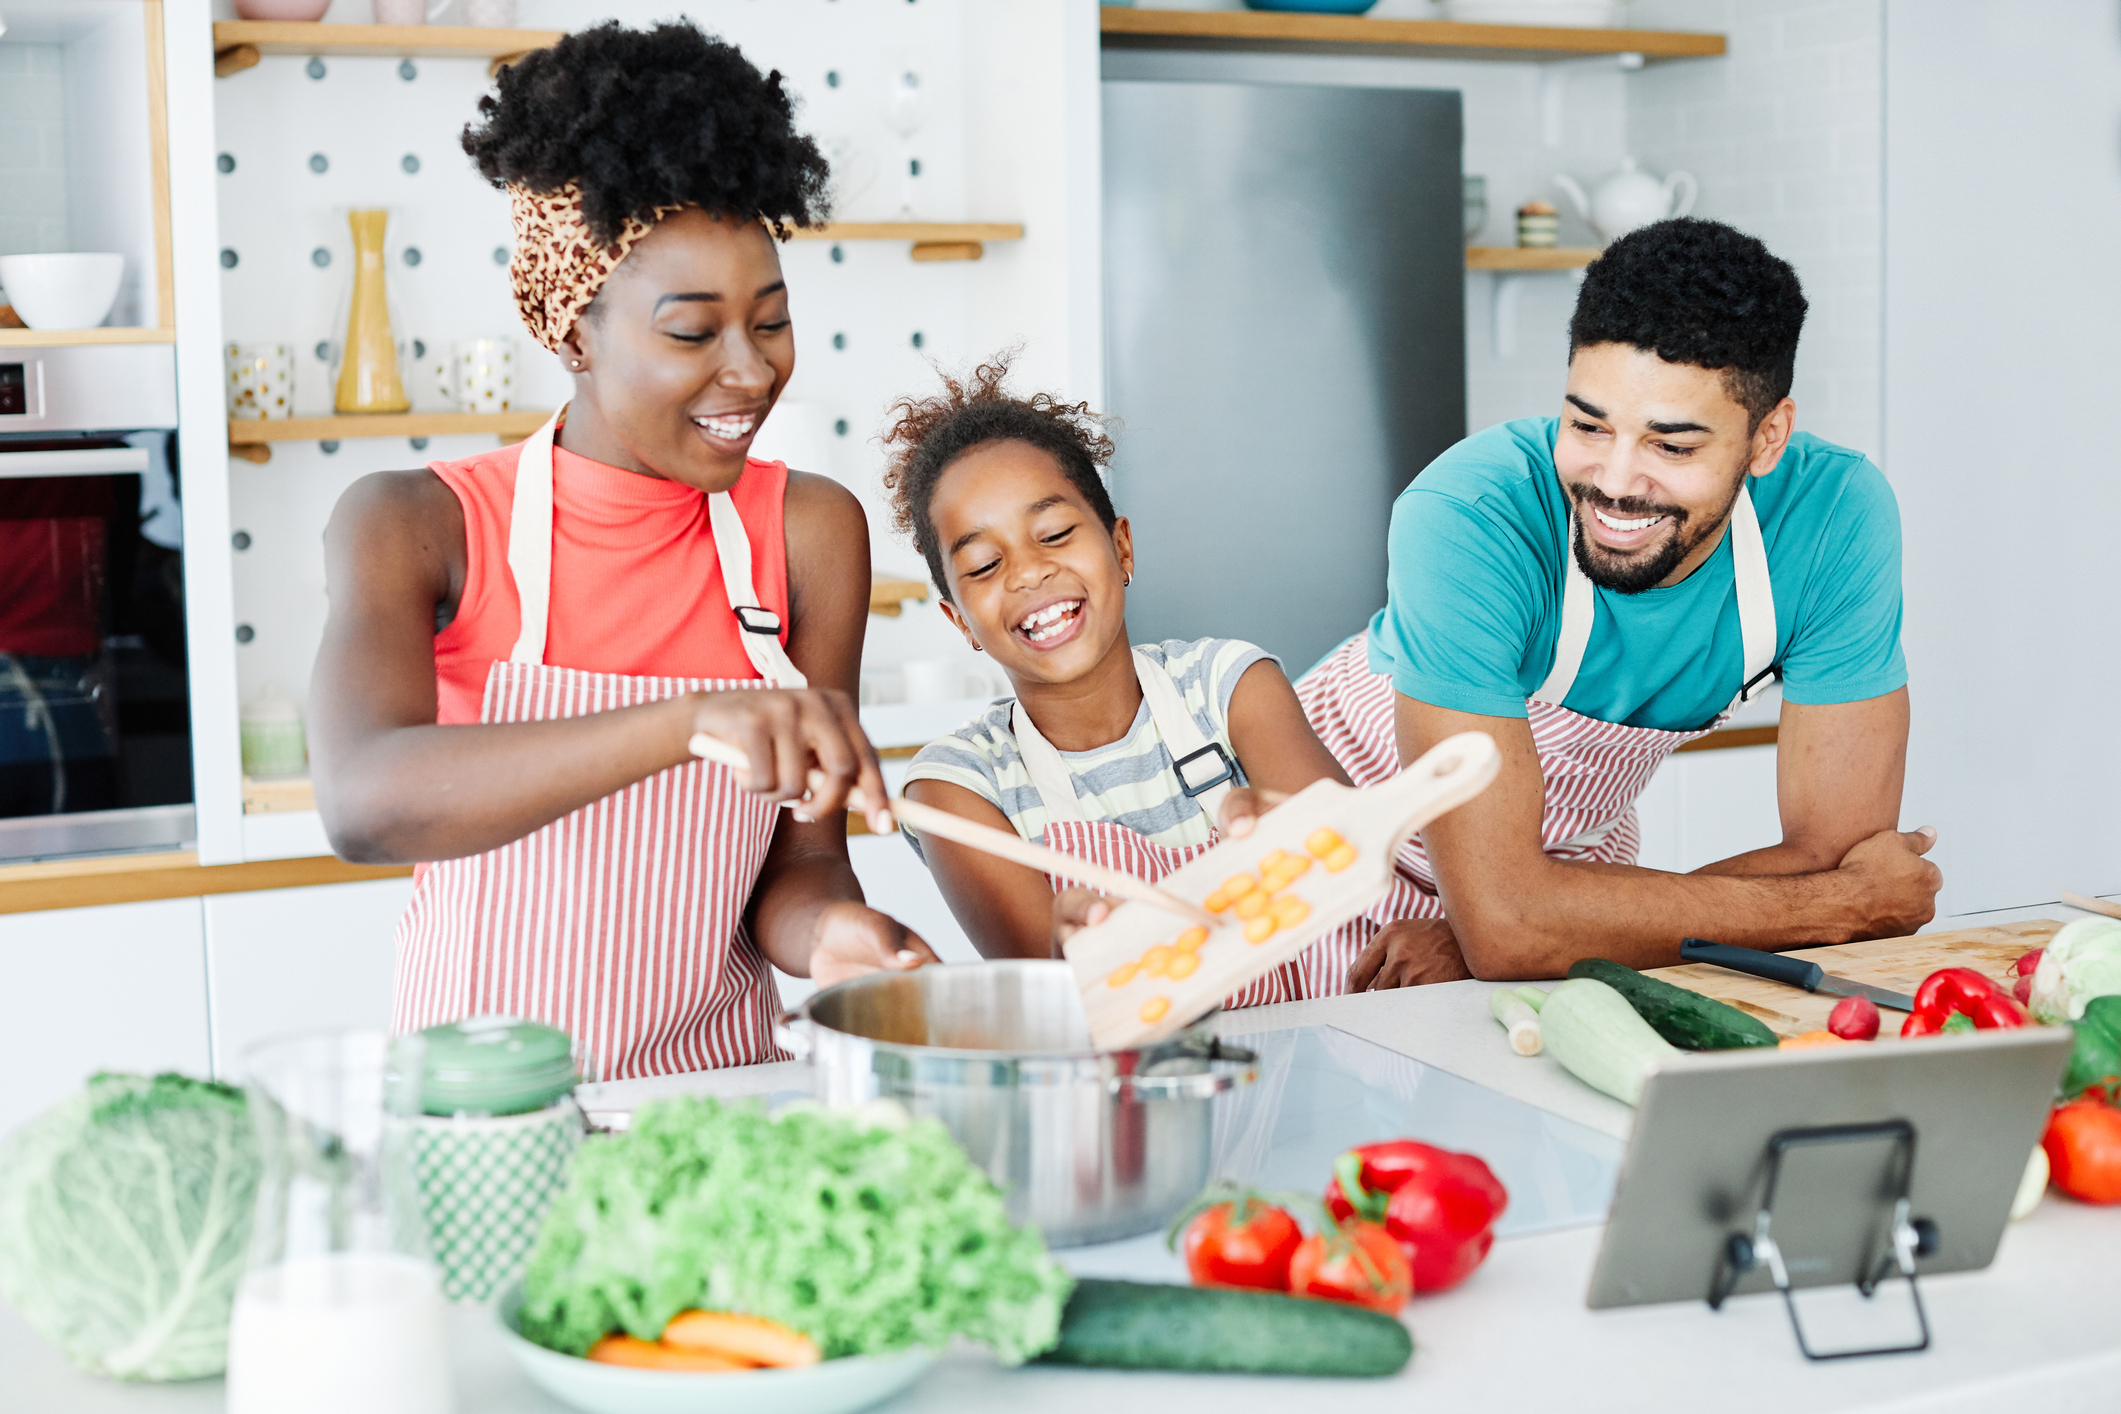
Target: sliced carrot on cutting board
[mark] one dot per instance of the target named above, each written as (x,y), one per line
(750,1338)
(654,1355)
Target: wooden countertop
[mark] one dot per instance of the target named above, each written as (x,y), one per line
(135,878)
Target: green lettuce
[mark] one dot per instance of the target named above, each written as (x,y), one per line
(2082,961)
(865,1239)
(124,1219)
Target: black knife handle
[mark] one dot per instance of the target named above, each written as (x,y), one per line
(1771,965)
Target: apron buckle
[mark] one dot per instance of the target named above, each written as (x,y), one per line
(1757,684)
(1228,774)
(768,621)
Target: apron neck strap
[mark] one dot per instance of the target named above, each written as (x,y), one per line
(530,563)
(1756,610)
(1205,771)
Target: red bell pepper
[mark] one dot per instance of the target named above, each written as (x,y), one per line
(1961,991)
(1439,1206)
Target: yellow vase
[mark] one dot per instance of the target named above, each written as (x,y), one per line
(368,375)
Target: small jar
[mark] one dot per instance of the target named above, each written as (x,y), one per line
(1538,226)
(491,1148)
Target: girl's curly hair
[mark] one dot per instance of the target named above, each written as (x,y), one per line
(639,119)
(926,435)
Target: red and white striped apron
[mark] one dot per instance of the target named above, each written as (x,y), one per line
(623,922)
(1320,970)
(1594,770)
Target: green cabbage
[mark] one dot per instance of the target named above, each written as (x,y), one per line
(2081,962)
(865,1239)
(124,1217)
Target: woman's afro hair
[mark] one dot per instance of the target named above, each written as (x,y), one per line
(927,434)
(1698,292)
(639,119)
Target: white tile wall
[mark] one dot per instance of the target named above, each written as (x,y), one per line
(1785,134)
(32,149)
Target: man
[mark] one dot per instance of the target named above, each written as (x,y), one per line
(1593,591)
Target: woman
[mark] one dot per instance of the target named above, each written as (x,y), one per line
(1127,755)
(522,643)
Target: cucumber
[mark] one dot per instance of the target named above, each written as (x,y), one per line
(1684,1018)
(1598,1038)
(1137,1326)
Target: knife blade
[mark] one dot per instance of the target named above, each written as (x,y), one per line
(1790,971)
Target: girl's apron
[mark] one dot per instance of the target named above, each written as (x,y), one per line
(1205,773)
(621,923)
(1594,770)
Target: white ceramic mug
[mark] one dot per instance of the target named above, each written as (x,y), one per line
(490,14)
(479,375)
(261,380)
(409,12)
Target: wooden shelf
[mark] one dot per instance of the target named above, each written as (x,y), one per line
(1506,257)
(74,338)
(1727,738)
(1441,38)
(250,438)
(238,44)
(278,795)
(932,240)
(135,878)
(888,593)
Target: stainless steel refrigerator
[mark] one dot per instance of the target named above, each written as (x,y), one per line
(1284,316)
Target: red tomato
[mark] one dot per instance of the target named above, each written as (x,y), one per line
(2083,1143)
(1854,1019)
(1358,1262)
(1224,1248)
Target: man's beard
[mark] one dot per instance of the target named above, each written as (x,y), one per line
(1607,569)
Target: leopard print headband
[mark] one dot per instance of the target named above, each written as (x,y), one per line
(558,266)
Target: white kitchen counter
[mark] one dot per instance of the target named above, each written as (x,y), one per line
(2041,1328)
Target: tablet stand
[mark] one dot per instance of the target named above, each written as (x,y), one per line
(1910,1238)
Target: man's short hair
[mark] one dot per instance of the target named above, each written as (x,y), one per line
(1701,293)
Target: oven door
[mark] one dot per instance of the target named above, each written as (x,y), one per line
(95,739)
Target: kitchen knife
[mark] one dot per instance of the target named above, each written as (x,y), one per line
(1790,971)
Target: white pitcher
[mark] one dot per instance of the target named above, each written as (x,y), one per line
(1630,199)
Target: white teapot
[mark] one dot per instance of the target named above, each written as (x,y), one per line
(1630,199)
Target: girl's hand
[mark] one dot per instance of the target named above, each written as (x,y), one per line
(1242,808)
(1077,909)
(799,740)
(853,940)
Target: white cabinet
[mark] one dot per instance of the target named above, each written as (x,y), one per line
(894,881)
(121,987)
(284,960)
(1703,806)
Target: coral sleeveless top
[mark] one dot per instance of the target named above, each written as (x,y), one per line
(636,584)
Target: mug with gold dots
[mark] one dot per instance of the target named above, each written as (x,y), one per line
(479,375)
(261,380)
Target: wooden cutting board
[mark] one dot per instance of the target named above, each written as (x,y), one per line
(1898,963)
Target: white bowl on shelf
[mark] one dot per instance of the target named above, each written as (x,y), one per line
(1559,14)
(62,291)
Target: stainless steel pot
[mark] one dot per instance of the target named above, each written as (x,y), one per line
(1089,1145)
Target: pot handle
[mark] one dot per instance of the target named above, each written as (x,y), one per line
(1232,1066)
(788,1038)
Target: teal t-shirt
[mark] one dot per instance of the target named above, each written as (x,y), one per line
(1475,582)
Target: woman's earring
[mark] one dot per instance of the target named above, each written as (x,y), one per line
(575,364)
(1127,580)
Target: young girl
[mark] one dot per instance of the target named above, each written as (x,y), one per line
(1117,753)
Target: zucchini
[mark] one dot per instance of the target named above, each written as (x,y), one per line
(1598,1038)
(1137,1326)
(1686,1019)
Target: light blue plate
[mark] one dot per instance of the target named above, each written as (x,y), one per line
(829,1387)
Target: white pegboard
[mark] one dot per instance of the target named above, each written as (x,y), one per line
(868,319)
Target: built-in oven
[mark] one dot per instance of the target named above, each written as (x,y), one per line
(95,723)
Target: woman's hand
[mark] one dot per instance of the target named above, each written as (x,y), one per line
(1076,909)
(800,741)
(1411,952)
(853,940)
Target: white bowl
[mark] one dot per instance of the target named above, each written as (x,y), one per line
(828,1387)
(1560,14)
(62,291)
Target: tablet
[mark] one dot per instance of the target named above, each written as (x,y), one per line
(1697,1162)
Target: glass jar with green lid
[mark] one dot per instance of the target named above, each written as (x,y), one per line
(492,1147)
